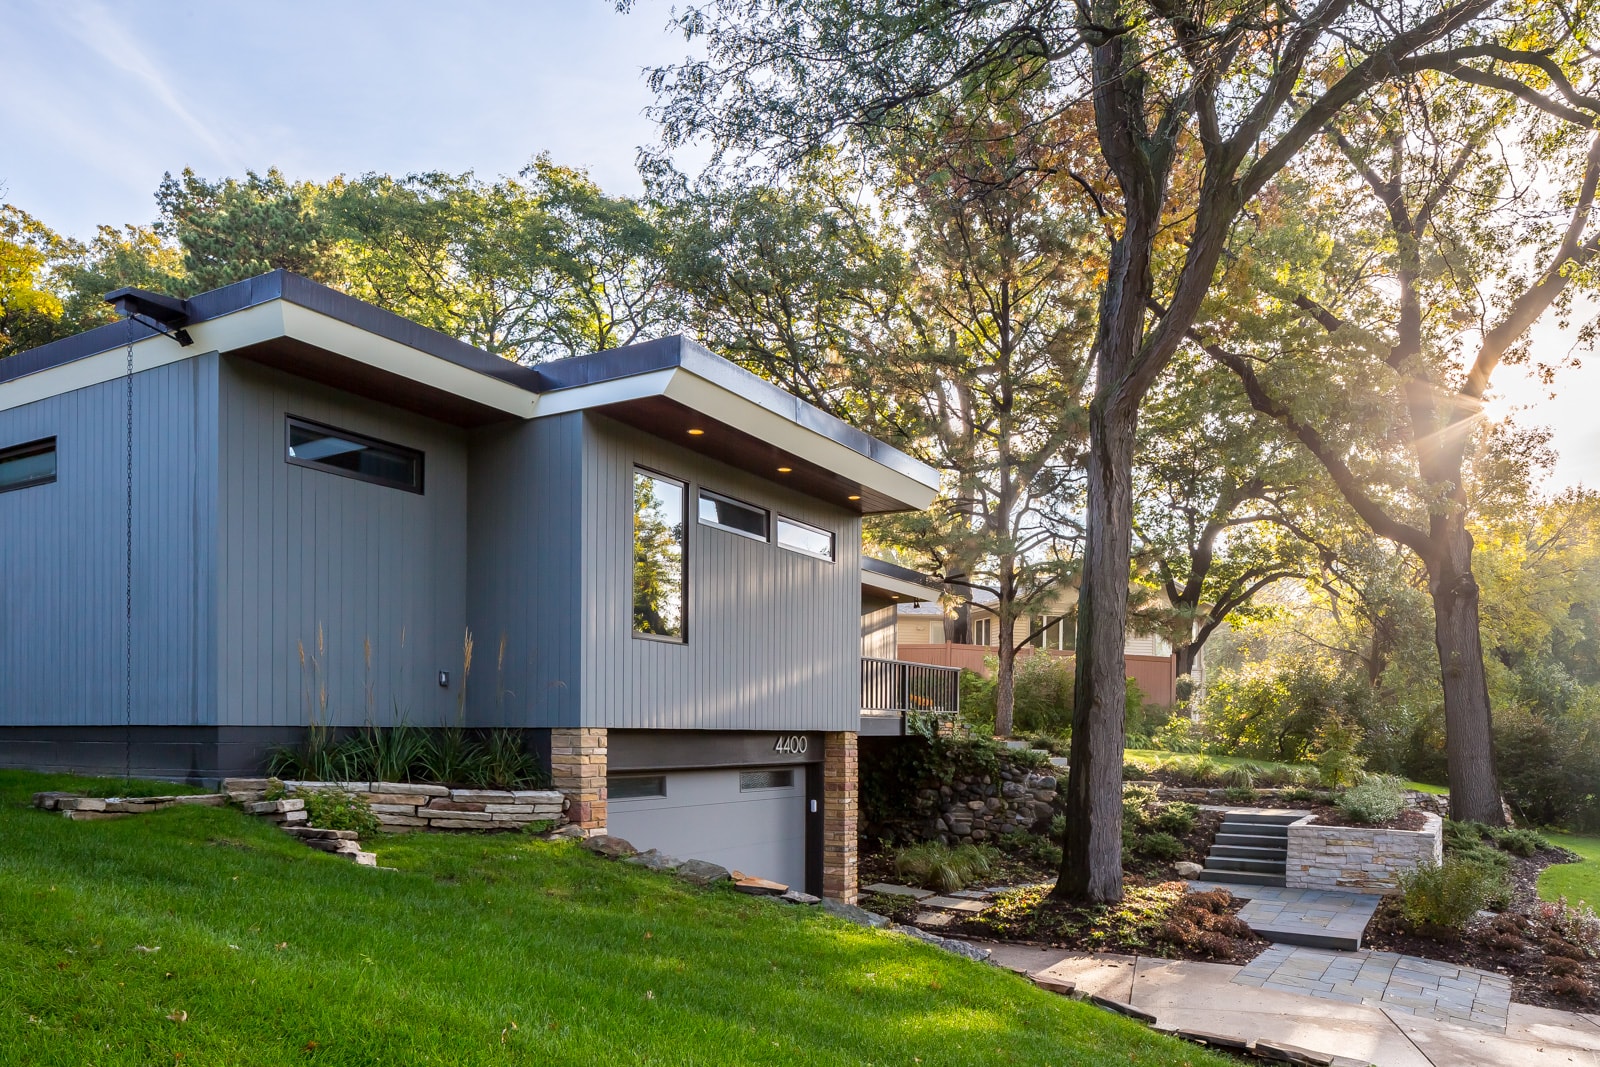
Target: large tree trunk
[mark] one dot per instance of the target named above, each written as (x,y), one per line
(1469,731)
(1005,683)
(1184,657)
(1091,865)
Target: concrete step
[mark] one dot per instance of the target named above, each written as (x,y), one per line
(1211,874)
(1250,852)
(1231,863)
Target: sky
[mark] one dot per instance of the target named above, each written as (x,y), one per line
(98,101)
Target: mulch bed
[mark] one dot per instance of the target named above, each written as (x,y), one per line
(1155,918)
(1519,943)
(1409,819)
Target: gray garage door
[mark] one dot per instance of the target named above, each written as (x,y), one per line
(751,820)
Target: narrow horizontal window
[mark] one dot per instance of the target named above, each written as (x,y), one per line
(659,558)
(353,455)
(726,513)
(798,537)
(636,786)
(31,464)
(752,780)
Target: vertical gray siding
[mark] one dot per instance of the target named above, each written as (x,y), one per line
(772,637)
(302,549)
(878,625)
(63,555)
(525,535)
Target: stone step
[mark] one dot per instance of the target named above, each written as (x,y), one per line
(1270,816)
(1258,866)
(1211,874)
(1250,852)
(1255,829)
(1253,840)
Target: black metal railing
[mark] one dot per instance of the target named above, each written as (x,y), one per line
(895,687)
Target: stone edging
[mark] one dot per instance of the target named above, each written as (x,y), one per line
(1359,859)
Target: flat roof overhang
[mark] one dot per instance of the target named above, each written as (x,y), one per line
(896,583)
(668,388)
(282,333)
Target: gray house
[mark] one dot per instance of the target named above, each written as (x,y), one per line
(224,518)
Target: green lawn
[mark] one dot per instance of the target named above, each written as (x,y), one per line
(479,950)
(1578,882)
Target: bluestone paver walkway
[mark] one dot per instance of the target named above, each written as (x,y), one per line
(1404,984)
(1320,918)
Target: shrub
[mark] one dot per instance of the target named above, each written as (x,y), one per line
(1519,842)
(1377,799)
(1562,968)
(1240,794)
(1033,847)
(1176,818)
(1577,925)
(1556,948)
(1336,758)
(1158,846)
(943,867)
(1179,734)
(1138,806)
(335,809)
(1569,986)
(1043,695)
(1446,896)
(1299,795)
(1058,827)
(1241,776)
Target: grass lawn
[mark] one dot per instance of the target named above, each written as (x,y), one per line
(479,950)
(1578,882)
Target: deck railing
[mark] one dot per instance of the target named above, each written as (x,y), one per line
(892,688)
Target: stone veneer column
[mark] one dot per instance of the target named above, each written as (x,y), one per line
(578,769)
(840,797)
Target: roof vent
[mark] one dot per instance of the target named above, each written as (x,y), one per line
(164,314)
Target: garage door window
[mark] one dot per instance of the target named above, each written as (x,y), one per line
(636,787)
(753,780)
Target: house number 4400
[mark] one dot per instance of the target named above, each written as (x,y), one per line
(791,744)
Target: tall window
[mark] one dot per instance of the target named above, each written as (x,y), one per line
(31,464)
(353,455)
(982,631)
(659,507)
(1059,632)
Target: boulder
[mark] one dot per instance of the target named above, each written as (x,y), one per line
(612,848)
(655,860)
(1186,869)
(851,913)
(794,896)
(702,872)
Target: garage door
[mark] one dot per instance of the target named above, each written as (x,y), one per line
(751,820)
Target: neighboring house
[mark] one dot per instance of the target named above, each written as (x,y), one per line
(923,629)
(656,553)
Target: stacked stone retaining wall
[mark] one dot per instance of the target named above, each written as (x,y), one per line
(404,806)
(982,807)
(1359,859)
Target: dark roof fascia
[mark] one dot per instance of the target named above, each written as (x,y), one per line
(677,351)
(263,288)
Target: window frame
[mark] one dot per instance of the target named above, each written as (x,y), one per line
(777,539)
(26,450)
(766,515)
(290,421)
(633,536)
(984,625)
(1053,628)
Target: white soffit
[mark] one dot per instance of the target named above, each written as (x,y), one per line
(905,590)
(748,416)
(265,322)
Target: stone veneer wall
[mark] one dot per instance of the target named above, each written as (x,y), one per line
(578,768)
(1359,859)
(403,806)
